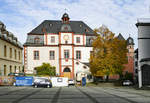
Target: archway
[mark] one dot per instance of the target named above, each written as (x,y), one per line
(67,72)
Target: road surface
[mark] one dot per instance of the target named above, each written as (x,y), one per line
(73,95)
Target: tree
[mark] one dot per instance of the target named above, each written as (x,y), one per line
(46,69)
(109,53)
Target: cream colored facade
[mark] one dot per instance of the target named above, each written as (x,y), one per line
(10,53)
(7,63)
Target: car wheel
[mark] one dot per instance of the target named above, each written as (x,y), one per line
(35,86)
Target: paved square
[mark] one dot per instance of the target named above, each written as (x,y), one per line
(73,95)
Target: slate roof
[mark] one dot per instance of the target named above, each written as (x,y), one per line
(54,26)
(120,37)
(8,36)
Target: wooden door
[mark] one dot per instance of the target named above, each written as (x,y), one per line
(67,74)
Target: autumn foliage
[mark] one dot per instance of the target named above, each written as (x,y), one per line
(109,53)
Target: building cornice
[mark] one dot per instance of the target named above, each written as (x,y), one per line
(142,24)
(10,60)
(56,45)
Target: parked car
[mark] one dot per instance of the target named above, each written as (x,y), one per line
(127,83)
(71,82)
(42,82)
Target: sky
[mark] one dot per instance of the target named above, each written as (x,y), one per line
(120,16)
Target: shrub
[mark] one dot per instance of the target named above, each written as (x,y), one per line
(46,69)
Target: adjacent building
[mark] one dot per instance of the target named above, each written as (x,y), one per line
(143,25)
(10,52)
(63,43)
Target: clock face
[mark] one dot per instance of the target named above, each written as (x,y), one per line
(66,37)
(130,41)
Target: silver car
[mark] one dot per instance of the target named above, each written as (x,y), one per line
(127,83)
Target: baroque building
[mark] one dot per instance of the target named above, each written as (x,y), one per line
(10,52)
(63,43)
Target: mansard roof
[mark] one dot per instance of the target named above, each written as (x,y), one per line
(8,36)
(54,26)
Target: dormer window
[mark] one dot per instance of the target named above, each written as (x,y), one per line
(80,25)
(66,28)
(50,25)
(43,30)
(86,30)
(36,40)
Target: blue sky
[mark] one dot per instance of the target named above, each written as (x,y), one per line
(120,16)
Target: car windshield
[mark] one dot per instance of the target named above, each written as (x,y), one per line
(46,80)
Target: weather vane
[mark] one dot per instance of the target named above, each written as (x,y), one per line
(65,10)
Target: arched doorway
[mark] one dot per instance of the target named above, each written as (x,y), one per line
(67,72)
(146,74)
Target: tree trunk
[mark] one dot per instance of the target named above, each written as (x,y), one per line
(107,78)
(120,76)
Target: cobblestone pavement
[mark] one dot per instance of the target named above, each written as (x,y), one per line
(73,95)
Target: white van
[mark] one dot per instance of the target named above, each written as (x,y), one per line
(59,81)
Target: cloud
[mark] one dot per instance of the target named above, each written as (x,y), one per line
(120,16)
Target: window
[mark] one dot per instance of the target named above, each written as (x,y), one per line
(66,42)
(10,69)
(66,54)
(36,55)
(15,69)
(19,55)
(78,39)
(5,70)
(15,54)
(19,69)
(10,52)
(136,64)
(90,41)
(52,39)
(78,54)
(37,40)
(52,55)
(5,51)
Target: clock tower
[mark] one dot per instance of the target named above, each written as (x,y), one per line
(66,48)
